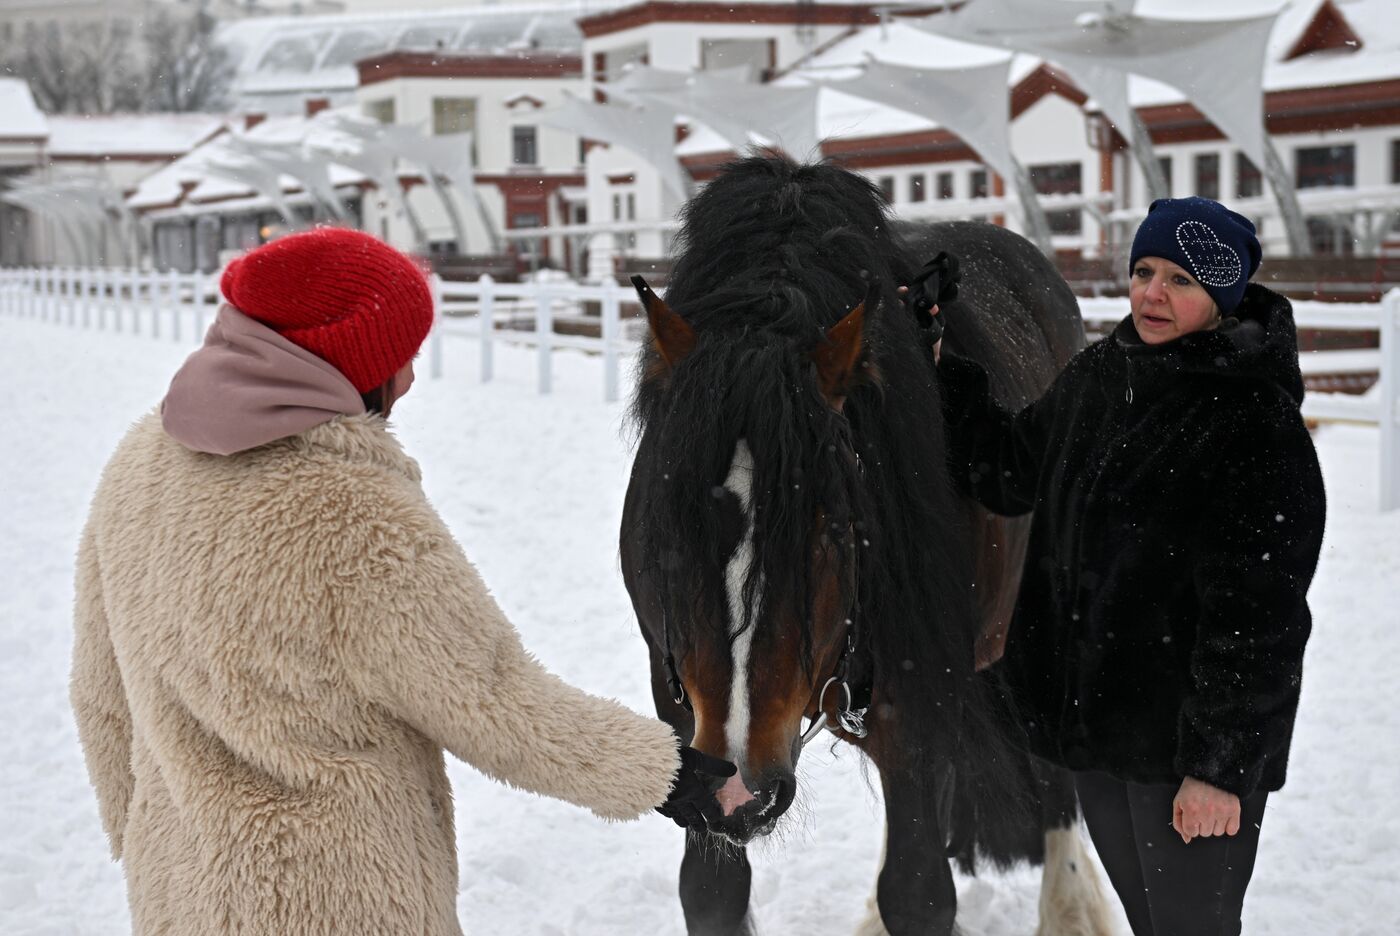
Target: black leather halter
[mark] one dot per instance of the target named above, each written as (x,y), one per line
(852,703)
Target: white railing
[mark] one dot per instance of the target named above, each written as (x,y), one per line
(531,313)
(1381,410)
(179,305)
(182,304)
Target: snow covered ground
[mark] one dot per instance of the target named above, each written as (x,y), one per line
(532,486)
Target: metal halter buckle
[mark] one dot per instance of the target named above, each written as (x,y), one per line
(849,720)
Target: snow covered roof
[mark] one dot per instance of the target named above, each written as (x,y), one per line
(154,135)
(190,179)
(1375,22)
(841,115)
(20,117)
(319,52)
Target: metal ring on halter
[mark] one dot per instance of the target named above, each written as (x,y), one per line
(820,721)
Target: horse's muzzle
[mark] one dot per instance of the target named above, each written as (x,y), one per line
(770,798)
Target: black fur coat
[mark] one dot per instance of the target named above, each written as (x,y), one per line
(1179,509)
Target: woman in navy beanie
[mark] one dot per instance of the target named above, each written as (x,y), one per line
(1156,647)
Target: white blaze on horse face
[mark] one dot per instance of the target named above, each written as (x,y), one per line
(740,483)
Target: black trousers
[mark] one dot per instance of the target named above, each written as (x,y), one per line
(1168,887)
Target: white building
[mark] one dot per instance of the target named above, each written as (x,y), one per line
(1332,82)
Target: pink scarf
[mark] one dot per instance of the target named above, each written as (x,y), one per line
(248,386)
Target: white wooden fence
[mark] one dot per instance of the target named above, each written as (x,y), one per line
(180,305)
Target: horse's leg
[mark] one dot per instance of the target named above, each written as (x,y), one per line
(872,925)
(915,892)
(1072,901)
(715,877)
(715,881)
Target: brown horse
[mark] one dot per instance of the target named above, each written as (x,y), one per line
(797,556)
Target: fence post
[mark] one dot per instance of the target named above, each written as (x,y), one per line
(70,295)
(435,337)
(612,303)
(544,333)
(152,303)
(485,317)
(1390,401)
(172,285)
(196,288)
(112,287)
(133,292)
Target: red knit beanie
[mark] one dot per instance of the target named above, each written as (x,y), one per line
(343,295)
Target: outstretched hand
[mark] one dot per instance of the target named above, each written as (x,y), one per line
(692,801)
(1204,810)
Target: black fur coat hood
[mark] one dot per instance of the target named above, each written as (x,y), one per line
(1179,507)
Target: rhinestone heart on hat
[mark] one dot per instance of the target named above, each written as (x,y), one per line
(1213,263)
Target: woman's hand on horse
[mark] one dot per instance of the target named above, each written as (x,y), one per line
(933,313)
(1204,810)
(692,798)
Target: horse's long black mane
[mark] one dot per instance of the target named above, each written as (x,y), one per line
(771,255)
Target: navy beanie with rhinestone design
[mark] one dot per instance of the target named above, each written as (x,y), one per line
(1214,244)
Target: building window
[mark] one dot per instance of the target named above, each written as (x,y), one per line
(1208,175)
(1323,166)
(754,54)
(1061,179)
(1330,237)
(977,183)
(1395,162)
(886,184)
(625,206)
(945,185)
(1165,164)
(524,146)
(381,110)
(454,115)
(611,65)
(916,187)
(1249,183)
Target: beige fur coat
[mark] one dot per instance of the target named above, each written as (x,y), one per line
(272,651)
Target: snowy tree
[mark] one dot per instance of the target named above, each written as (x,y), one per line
(188,70)
(169,62)
(77,67)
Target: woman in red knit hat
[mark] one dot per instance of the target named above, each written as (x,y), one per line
(277,636)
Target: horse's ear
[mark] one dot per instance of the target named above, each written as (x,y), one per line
(673,336)
(839,356)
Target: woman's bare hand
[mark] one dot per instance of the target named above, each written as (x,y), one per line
(1204,810)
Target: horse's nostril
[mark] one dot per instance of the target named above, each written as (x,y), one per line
(784,790)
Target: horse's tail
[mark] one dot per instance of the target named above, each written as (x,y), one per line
(999,803)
